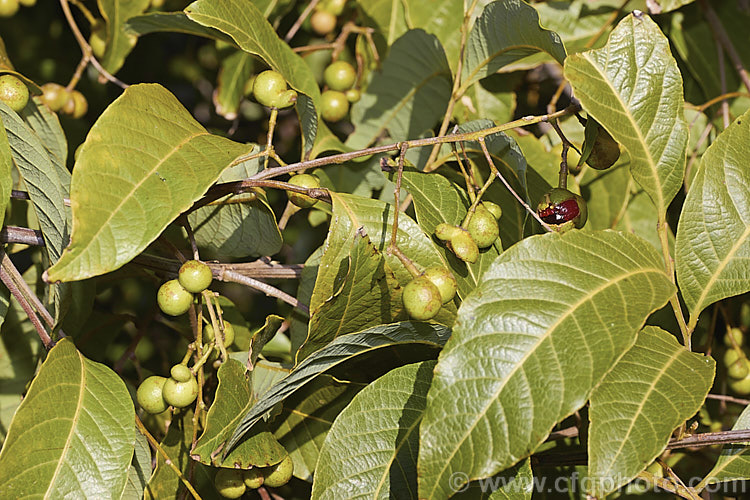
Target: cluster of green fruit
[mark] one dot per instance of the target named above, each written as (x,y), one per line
(8,8)
(480,230)
(156,394)
(176,296)
(58,98)
(424,295)
(325,17)
(232,483)
(736,362)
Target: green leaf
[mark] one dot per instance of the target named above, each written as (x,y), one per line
(140,469)
(86,448)
(371,449)
(262,336)
(633,88)
(713,234)
(251,31)
(388,17)
(6,177)
(441,18)
(607,197)
(734,461)
(144,162)
(172,22)
(119,41)
(306,418)
(656,386)
(359,303)
(237,226)
(233,399)
(408,96)
(343,348)
(506,31)
(548,320)
(233,75)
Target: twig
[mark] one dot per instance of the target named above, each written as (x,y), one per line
(29,295)
(730,399)
(301,19)
(265,288)
(25,305)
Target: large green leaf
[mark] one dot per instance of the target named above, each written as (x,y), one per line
(242,21)
(657,385)
(73,434)
(713,235)
(233,399)
(633,87)
(427,335)
(144,162)
(230,88)
(507,30)
(306,418)
(119,41)
(371,449)
(548,320)
(734,462)
(408,96)
(359,306)
(237,226)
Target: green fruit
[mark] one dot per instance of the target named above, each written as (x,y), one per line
(254,478)
(333,105)
(741,387)
(180,394)
(173,299)
(446,232)
(421,298)
(54,96)
(494,209)
(76,105)
(736,335)
(208,333)
(8,8)
(279,474)
(483,227)
(739,369)
(605,151)
(195,276)
(464,246)
(305,181)
(340,76)
(267,87)
(13,92)
(149,395)
(731,356)
(322,22)
(353,95)
(560,206)
(444,280)
(181,373)
(285,99)
(230,483)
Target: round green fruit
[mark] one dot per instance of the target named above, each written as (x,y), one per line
(444,280)
(734,336)
(605,151)
(333,105)
(353,95)
(446,232)
(180,394)
(560,206)
(464,246)
(741,386)
(422,299)
(230,483)
(181,373)
(483,227)
(13,92)
(308,181)
(731,356)
(8,8)
(494,209)
(195,276)
(150,395)
(54,96)
(739,369)
(254,478)
(322,22)
(279,474)
(208,333)
(173,299)
(76,105)
(267,87)
(340,76)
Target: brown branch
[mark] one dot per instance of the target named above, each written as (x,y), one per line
(269,290)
